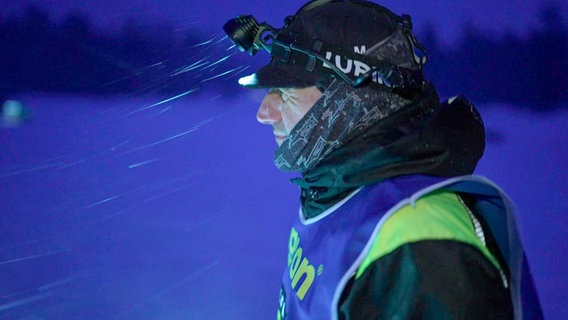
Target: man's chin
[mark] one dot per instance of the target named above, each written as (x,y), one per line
(279,140)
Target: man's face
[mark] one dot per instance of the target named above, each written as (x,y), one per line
(284,107)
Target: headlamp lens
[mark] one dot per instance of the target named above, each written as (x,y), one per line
(243,31)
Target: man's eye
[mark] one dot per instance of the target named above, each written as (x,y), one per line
(284,96)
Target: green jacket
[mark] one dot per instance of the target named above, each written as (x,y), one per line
(434,260)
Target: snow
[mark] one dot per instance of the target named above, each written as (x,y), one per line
(128,208)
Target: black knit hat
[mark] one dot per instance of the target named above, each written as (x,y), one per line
(346,26)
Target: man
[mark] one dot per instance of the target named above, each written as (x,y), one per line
(392,224)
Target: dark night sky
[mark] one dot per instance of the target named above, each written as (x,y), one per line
(490,15)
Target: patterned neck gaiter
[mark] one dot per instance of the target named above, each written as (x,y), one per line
(342,112)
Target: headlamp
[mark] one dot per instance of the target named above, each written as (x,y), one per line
(249,35)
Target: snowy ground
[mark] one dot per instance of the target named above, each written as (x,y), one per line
(116,209)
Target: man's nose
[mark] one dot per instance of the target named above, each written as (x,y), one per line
(268,112)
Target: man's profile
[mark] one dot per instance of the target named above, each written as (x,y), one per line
(393,225)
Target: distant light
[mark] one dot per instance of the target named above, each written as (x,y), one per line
(13,109)
(13,113)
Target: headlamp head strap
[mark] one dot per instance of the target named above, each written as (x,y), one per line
(421,59)
(354,68)
(294,48)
